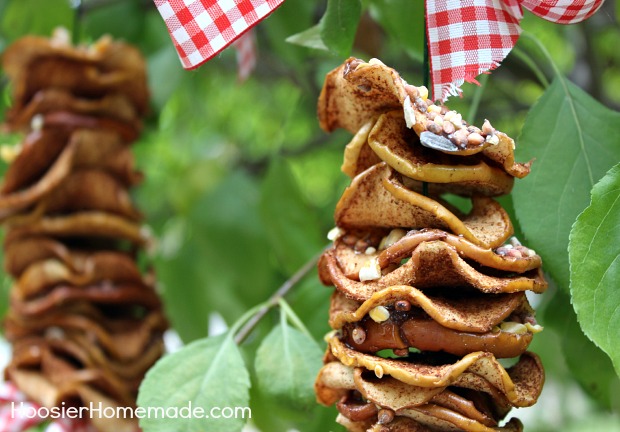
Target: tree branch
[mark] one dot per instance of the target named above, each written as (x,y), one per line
(247,328)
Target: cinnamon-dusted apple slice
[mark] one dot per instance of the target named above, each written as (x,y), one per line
(405,424)
(355,248)
(426,259)
(80,346)
(512,257)
(40,389)
(138,297)
(73,121)
(43,152)
(48,158)
(121,363)
(114,106)
(124,338)
(358,156)
(85,269)
(19,254)
(459,277)
(467,313)
(22,187)
(55,359)
(91,224)
(521,384)
(358,92)
(34,63)
(384,399)
(402,317)
(83,190)
(400,147)
(378,198)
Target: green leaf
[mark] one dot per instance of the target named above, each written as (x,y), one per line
(574,140)
(590,366)
(339,24)
(310,38)
(287,363)
(293,229)
(403,20)
(208,373)
(594,252)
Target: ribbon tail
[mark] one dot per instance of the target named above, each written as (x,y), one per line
(563,11)
(467,38)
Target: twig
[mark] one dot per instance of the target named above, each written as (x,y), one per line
(275,299)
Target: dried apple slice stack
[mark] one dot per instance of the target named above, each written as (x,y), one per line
(429,300)
(85,321)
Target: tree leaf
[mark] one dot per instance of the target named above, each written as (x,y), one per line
(574,140)
(287,363)
(310,38)
(208,373)
(339,24)
(594,252)
(590,366)
(293,230)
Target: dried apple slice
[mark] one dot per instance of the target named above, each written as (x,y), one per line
(358,92)
(377,198)
(400,147)
(137,298)
(428,405)
(47,100)
(520,384)
(19,254)
(358,156)
(83,190)
(53,358)
(121,338)
(41,390)
(402,317)
(477,314)
(454,275)
(87,224)
(85,269)
(354,249)
(35,63)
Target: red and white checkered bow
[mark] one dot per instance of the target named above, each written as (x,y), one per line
(469,37)
(202,28)
(465,37)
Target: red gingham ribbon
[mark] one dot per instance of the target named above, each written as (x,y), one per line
(246,54)
(465,37)
(11,420)
(470,37)
(202,28)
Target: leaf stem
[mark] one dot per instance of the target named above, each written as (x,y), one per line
(293,318)
(259,311)
(246,317)
(529,62)
(545,52)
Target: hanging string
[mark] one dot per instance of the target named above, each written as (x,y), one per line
(426,74)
